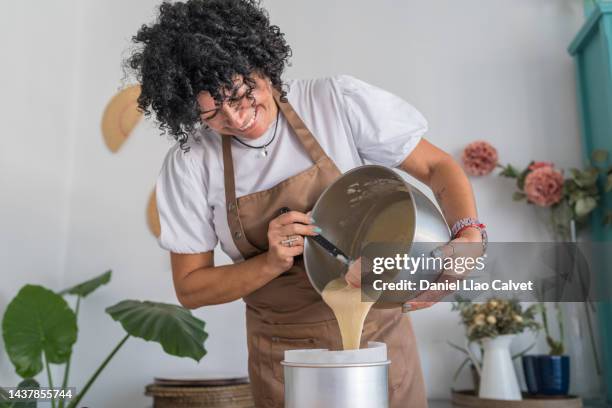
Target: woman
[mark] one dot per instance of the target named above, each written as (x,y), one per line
(249,144)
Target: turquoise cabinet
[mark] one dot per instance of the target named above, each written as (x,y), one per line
(592,51)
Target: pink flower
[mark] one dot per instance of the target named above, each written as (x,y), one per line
(544,186)
(479,158)
(538,165)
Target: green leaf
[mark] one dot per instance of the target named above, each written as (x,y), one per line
(521,177)
(28,383)
(175,328)
(575,173)
(556,347)
(599,156)
(509,171)
(456,347)
(524,351)
(590,176)
(584,206)
(458,371)
(85,288)
(518,196)
(575,196)
(585,178)
(38,320)
(5,399)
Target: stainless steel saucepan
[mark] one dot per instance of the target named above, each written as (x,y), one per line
(373,205)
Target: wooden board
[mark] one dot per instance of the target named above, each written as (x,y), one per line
(468,399)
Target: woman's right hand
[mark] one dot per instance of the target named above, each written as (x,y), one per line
(291,225)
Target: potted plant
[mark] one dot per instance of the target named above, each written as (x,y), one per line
(548,374)
(493,325)
(568,198)
(39,329)
(467,361)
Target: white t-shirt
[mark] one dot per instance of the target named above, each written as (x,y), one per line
(354,122)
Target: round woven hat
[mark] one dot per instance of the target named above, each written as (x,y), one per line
(120,117)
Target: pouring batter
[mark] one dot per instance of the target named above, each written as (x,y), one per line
(249,143)
(349,308)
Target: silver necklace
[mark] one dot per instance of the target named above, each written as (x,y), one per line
(263,149)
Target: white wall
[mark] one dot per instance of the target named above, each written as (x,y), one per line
(495,70)
(37,111)
(108,230)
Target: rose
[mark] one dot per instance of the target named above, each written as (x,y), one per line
(544,185)
(479,158)
(538,165)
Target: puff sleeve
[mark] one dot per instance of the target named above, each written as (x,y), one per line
(385,128)
(184,212)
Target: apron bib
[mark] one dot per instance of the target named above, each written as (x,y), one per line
(287,313)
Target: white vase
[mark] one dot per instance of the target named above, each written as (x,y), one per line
(497,376)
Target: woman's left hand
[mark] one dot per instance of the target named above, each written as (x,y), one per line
(353,275)
(468,244)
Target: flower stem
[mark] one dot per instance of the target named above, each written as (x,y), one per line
(561,331)
(95,375)
(592,338)
(544,314)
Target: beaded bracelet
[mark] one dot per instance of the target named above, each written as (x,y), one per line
(469,222)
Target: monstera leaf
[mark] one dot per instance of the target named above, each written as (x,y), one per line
(175,328)
(6,402)
(38,321)
(85,288)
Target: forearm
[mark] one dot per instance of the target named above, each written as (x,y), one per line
(452,190)
(222,284)
(454,194)
(445,177)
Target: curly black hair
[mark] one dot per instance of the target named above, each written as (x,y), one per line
(201,45)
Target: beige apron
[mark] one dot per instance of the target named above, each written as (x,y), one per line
(287,313)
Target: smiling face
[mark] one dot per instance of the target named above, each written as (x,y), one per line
(248,118)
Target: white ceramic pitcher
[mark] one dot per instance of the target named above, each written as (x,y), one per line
(497,375)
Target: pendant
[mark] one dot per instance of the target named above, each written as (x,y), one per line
(263,152)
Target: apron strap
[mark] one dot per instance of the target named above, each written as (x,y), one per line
(231,202)
(308,141)
(306,138)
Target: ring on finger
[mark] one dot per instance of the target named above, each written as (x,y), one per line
(289,241)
